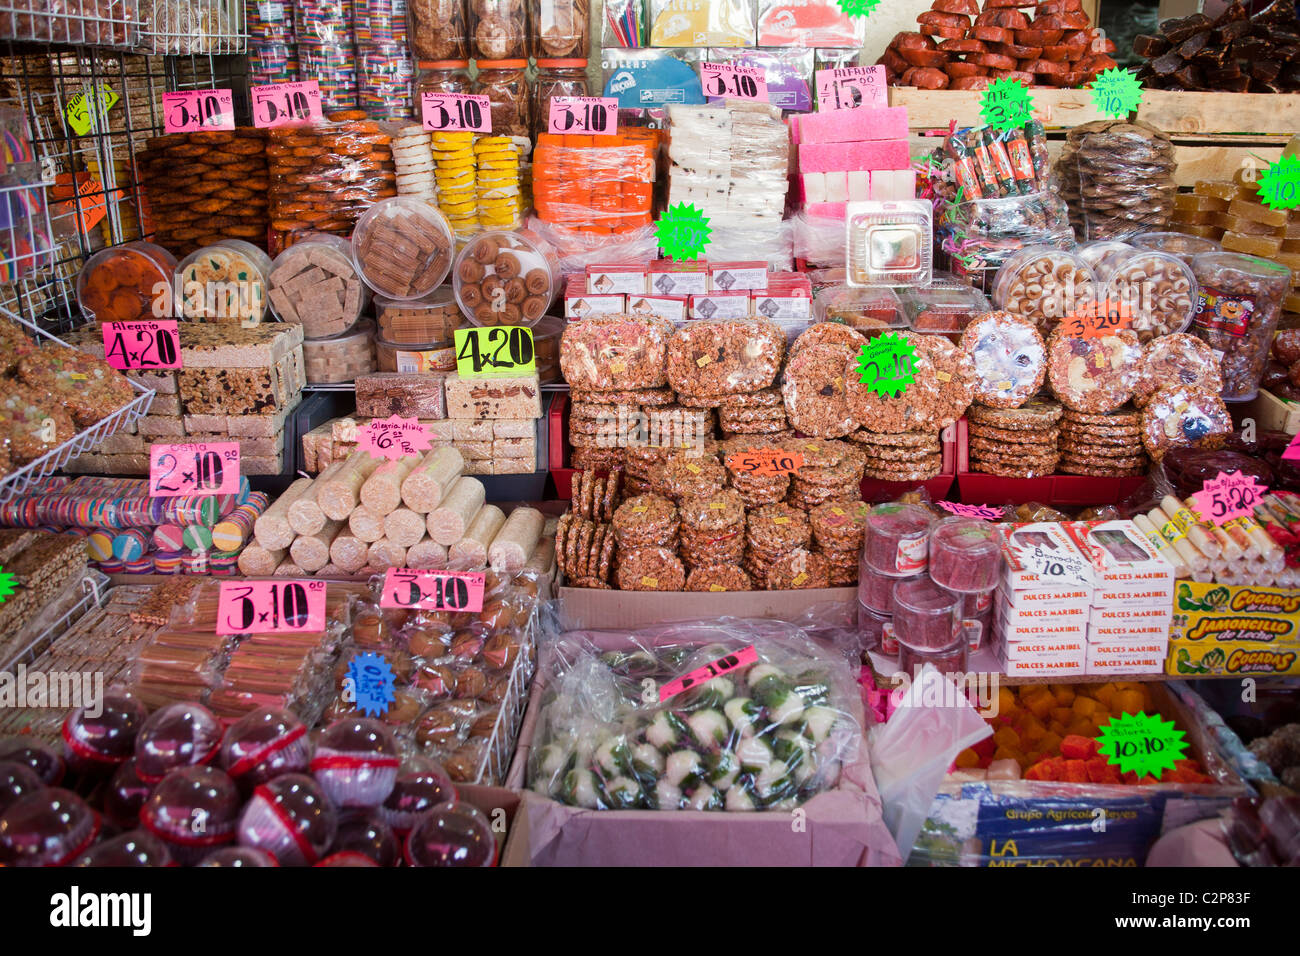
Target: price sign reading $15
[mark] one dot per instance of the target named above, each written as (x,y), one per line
(142,345)
(594,115)
(198,110)
(851,88)
(433,590)
(206,469)
(280,104)
(271,607)
(499,350)
(456,112)
(737,82)
(701,675)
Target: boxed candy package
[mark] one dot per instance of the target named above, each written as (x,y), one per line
(1129,569)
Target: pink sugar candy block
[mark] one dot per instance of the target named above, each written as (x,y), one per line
(827,210)
(825,157)
(885,154)
(848,126)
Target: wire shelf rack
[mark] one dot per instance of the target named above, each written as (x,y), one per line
(88,592)
(19,481)
(101,23)
(505,732)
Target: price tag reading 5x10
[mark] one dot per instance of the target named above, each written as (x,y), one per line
(142,345)
(196,110)
(279,104)
(433,590)
(271,607)
(207,469)
(500,350)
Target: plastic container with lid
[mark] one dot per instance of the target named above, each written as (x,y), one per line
(871,625)
(558,29)
(415,356)
(402,247)
(356,762)
(1178,244)
(432,318)
(546,347)
(369,836)
(51,827)
(263,744)
(951,659)
(1159,289)
(238,856)
(896,540)
(133,848)
(290,818)
(876,589)
(17,780)
(341,358)
(505,84)
(944,309)
(926,615)
(440,76)
(125,795)
(93,745)
(454,834)
(1240,302)
(866,310)
(498,30)
(328,259)
(117,284)
(1103,255)
(422,785)
(1044,284)
(965,555)
(505,278)
(437,29)
(555,78)
(178,735)
(225,283)
(889,243)
(192,810)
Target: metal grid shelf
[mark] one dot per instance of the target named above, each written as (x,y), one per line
(61,614)
(505,732)
(101,23)
(17,482)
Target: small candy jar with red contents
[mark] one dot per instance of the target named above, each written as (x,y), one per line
(290,818)
(263,744)
(178,735)
(453,834)
(356,762)
(97,745)
(965,555)
(125,796)
(897,540)
(238,856)
(193,810)
(926,615)
(51,827)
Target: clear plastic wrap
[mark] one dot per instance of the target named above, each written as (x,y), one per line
(384,78)
(770,731)
(315,282)
(498,30)
(503,278)
(333,66)
(1118,179)
(1159,289)
(980,162)
(692,23)
(731,162)
(1178,244)
(615,352)
(725,357)
(556,77)
(603,188)
(1184,415)
(943,310)
(789,74)
(650,79)
(437,29)
(231,283)
(558,28)
(815,390)
(1044,284)
(271,61)
(889,243)
(821,23)
(1179,358)
(1093,375)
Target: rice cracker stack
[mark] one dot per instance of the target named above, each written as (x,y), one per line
(500,203)
(454,171)
(713,530)
(413,158)
(773,532)
(646,530)
(832,471)
(837,530)
(900,456)
(1015,442)
(1104,445)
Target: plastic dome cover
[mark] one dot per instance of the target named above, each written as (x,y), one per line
(291,818)
(125,796)
(421,785)
(178,735)
(40,756)
(193,809)
(50,827)
(369,835)
(238,856)
(96,744)
(263,744)
(133,848)
(453,834)
(356,762)
(347,858)
(16,781)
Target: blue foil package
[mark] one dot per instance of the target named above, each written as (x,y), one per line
(648,79)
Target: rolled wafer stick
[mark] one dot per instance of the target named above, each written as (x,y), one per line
(338,496)
(425,486)
(305,514)
(365,524)
(1193,558)
(272,529)
(1163,547)
(382,491)
(348,552)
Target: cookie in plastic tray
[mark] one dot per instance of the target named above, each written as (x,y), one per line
(917,409)
(1104,255)
(1178,244)
(1158,288)
(863,309)
(814,390)
(1182,416)
(890,243)
(1093,375)
(1010,359)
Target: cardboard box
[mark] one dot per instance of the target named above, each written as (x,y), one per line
(617,279)
(1222,630)
(1041,556)
(732,276)
(679,278)
(1123,657)
(1157,616)
(1273,414)
(1128,633)
(1061,665)
(1068,612)
(1127,566)
(670,307)
(721,305)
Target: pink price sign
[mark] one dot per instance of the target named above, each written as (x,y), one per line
(456,112)
(283,104)
(701,675)
(206,469)
(1228,495)
(592,115)
(393,438)
(433,590)
(737,82)
(851,88)
(271,607)
(982,512)
(129,346)
(194,111)
(1292,452)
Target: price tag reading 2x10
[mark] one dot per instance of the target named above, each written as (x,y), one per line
(205,469)
(737,82)
(270,607)
(142,345)
(280,104)
(593,115)
(499,350)
(433,590)
(456,112)
(197,110)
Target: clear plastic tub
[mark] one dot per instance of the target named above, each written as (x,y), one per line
(330,307)
(225,283)
(876,589)
(943,310)
(402,247)
(965,555)
(1178,244)
(342,358)
(1240,304)
(418,357)
(1103,255)
(866,310)
(1044,284)
(926,615)
(433,318)
(896,540)
(505,278)
(871,625)
(546,347)
(1158,288)
(889,243)
(952,659)
(118,284)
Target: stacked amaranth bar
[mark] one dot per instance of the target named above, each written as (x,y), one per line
(235,384)
(493,422)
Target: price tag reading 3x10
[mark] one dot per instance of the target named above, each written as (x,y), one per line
(197,110)
(433,590)
(269,607)
(205,469)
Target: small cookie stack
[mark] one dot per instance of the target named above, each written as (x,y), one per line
(772,532)
(500,203)
(645,528)
(1108,446)
(454,172)
(713,531)
(686,476)
(755,413)
(1015,442)
(900,456)
(832,472)
(837,530)
(612,421)
(413,157)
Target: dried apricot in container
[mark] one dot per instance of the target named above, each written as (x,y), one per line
(121,284)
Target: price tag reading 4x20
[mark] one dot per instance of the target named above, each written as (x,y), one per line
(203,469)
(196,111)
(130,346)
(498,350)
(433,590)
(271,607)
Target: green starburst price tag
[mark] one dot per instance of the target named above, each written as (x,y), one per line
(683,232)
(1141,744)
(1006,105)
(1279,187)
(1116,92)
(8,585)
(887,365)
(858,8)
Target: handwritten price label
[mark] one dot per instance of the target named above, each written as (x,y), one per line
(1228,495)
(851,88)
(595,115)
(443,112)
(1292,451)
(1096,320)
(500,350)
(723,665)
(393,438)
(142,345)
(1050,563)
(196,110)
(738,82)
(433,590)
(271,607)
(206,469)
(981,512)
(77,112)
(282,104)
(766,461)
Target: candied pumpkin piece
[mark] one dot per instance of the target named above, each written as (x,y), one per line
(1057,727)
(1129,701)
(1083,706)
(1006,737)
(1106,694)
(1007,703)
(1076,747)
(1064,693)
(1063,714)
(967,759)
(1076,771)
(1041,704)
(1051,742)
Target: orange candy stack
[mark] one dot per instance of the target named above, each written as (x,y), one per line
(597,185)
